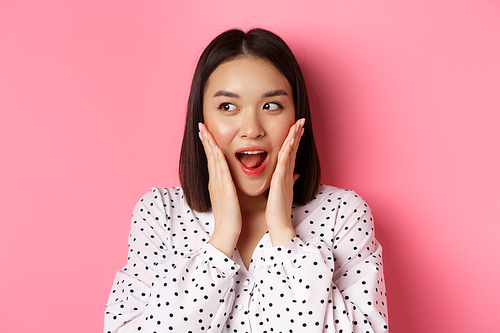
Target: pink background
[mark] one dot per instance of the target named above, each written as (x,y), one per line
(406,102)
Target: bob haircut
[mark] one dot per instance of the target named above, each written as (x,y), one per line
(258,43)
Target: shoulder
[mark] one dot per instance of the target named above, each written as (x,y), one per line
(332,211)
(334,204)
(330,194)
(165,200)
(167,195)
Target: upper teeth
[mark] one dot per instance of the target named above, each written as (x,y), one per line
(251,152)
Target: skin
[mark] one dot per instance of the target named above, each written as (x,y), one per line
(248,103)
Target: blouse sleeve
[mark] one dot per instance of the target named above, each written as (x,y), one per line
(160,287)
(337,287)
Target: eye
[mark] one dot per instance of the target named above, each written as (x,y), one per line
(271,106)
(227,107)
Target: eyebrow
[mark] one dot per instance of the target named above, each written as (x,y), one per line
(226,93)
(273,93)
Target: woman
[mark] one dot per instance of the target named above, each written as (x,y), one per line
(251,242)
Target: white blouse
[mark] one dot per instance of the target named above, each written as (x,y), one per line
(329,278)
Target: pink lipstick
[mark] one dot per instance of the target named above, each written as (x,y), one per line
(252,160)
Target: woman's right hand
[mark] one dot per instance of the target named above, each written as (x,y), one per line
(223,195)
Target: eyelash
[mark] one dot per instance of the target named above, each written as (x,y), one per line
(223,105)
(277,104)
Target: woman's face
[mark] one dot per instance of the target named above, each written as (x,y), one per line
(248,107)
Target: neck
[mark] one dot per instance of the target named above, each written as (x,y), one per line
(250,205)
(253,210)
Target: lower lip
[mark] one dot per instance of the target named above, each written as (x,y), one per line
(256,171)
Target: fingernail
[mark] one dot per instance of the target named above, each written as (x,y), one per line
(199,126)
(206,135)
(291,142)
(296,128)
(303,121)
(302,132)
(199,134)
(217,150)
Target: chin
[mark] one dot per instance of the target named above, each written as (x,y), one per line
(254,190)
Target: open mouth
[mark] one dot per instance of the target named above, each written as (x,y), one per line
(252,159)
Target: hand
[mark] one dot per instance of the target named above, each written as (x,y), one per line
(223,195)
(279,202)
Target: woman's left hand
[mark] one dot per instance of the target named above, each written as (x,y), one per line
(279,203)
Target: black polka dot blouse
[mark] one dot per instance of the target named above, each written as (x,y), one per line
(329,278)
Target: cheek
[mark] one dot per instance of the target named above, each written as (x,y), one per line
(281,130)
(222,133)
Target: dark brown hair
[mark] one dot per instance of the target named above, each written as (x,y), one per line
(259,43)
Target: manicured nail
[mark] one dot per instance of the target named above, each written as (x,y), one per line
(291,142)
(303,121)
(206,135)
(296,128)
(199,134)
(217,150)
(199,126)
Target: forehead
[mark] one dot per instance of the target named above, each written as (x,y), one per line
(243,73)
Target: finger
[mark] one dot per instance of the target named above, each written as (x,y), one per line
(204,141)
(286,148)
(218,155)
(210,143)
(215,154)
(219,159)
(211,153)
(283,171)
(286,156)
(209,139)
(288,142)
(294,143)
(292,140)
(299,132)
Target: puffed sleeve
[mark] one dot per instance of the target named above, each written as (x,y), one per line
(322,286)
(160,287)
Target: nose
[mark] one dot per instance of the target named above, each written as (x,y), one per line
(252,126)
